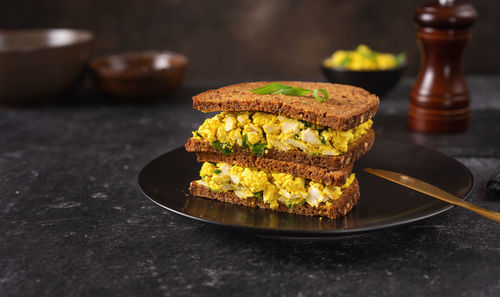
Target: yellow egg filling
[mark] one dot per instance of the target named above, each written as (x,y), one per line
(364,58)
(259,131)
(271,187)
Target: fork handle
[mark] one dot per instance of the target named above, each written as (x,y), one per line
(492,215)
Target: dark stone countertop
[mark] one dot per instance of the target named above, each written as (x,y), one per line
(74,223)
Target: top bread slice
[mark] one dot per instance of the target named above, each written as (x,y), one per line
(346,108)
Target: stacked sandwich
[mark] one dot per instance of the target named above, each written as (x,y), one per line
(289,149)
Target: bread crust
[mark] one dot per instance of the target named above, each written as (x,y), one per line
(338,208)
(331,163)
(346,108)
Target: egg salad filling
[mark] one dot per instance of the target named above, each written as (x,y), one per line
(364,58)
(259,132)
(271,187)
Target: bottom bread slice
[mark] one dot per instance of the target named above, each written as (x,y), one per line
(337,208)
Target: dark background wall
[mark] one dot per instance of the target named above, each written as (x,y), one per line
(252,39)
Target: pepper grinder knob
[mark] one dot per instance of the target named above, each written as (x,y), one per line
(439,100)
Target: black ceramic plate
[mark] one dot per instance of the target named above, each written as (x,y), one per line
(383,204)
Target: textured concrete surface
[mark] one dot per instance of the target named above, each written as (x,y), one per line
(73,222)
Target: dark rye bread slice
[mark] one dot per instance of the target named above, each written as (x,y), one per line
(337,209)
(346,108)
(332,163)
(317,174)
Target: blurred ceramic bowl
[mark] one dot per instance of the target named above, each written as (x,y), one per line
(138,76)
(378,82)
(39,65)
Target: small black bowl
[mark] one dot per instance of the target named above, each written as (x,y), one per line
(378,82)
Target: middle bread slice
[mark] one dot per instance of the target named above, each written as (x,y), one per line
(317,174)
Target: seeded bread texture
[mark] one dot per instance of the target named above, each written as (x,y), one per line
(332,163)
(346,108)
(317,174)
(337,209)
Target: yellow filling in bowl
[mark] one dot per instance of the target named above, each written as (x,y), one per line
(259,131)
(272,187)
(364,58)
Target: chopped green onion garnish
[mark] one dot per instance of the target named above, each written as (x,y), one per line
(369,55)
(217,171)
(344,62)
(400,58)
(244,141)
(270,89)
(224,148)
(293,91)
(277,88)
(318,97)
(258,149)
(323,141)
(258,194)
(306,124)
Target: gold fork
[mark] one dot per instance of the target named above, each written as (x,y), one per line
(433,191)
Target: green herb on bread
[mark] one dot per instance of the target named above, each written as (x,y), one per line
(277,88)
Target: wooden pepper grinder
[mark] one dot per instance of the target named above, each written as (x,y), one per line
(439,100)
